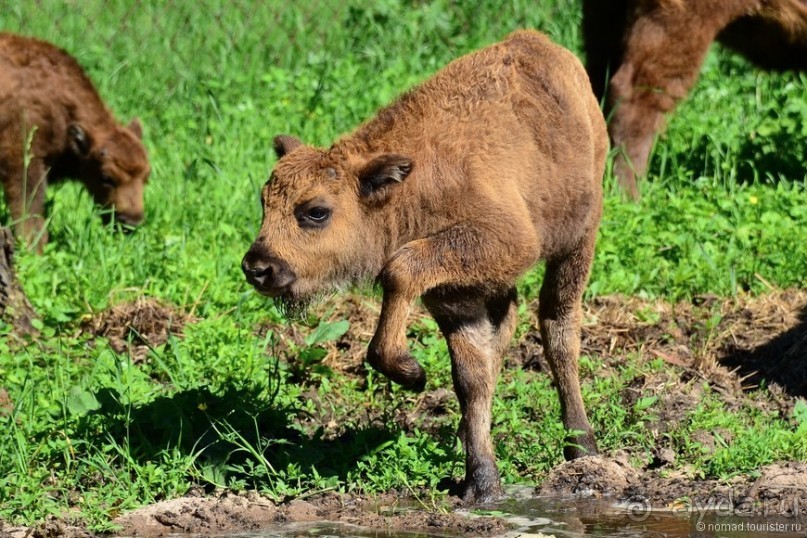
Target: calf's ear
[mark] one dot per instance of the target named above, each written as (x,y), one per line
(383,172)
(285,144)
(78,139)
(136,128)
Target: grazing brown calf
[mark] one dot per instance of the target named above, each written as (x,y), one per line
(449,194)
(653,51)
(53,125)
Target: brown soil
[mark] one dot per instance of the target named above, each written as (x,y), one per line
(734,343)
(136,327)
(781,489)
(49,529)
(226,512)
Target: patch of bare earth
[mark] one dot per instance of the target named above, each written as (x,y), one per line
(734,344)
(137,326)
(233,512)
(49,529)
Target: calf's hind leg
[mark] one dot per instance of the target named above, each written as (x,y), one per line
(559,312)
(478,329)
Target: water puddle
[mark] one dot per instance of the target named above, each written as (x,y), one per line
(576,518)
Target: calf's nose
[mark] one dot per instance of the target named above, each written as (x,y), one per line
(267,274)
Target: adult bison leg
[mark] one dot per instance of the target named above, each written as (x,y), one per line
(475,253)
(559,314)
(663,54)
(478,329)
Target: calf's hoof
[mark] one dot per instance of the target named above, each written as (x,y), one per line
(403,369)
(482,485)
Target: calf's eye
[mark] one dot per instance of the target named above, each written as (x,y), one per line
(318,214)
(313,217)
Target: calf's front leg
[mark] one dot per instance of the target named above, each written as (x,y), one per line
(483,252)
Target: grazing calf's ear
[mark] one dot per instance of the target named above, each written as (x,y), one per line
(285,144)
(136,128)
(383,172)
(78,140)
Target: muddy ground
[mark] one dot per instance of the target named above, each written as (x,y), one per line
(733,345)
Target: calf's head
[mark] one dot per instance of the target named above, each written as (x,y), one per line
(321,226)
(114,167)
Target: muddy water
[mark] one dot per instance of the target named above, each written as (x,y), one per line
(566,518)
(534,517)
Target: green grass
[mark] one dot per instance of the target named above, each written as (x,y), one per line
(92,434)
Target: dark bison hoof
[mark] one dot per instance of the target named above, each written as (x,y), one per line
(404,370)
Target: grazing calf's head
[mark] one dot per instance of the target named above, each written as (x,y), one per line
(318,229)
(114,167)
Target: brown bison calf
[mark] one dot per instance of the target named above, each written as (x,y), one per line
(53,125)
(653,50)
(450,194)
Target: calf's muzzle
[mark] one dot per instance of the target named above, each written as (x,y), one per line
(268,274)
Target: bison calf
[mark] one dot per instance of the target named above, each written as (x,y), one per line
(53,125)
(449,194)
(653,50)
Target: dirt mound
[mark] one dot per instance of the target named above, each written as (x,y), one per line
(199,515)
(135,327)
(592,475)
(781,489)
(229,512)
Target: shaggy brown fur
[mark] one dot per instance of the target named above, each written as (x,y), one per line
(653,50)
(53,125)
(450,194)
